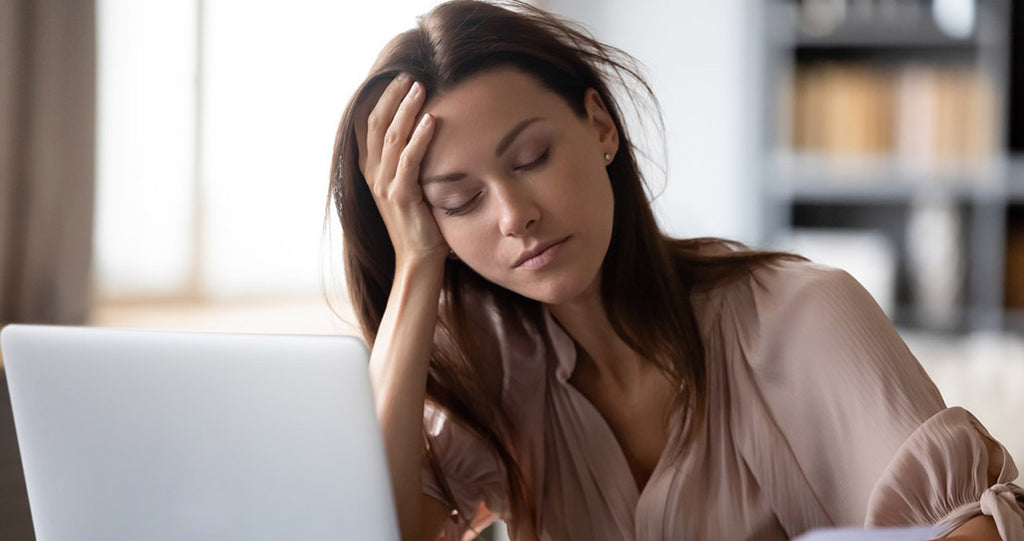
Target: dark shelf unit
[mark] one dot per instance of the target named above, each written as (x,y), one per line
(802,190)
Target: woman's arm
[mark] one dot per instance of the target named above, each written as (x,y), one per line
(979,528)
(878,445)
(391,146)
(398,369)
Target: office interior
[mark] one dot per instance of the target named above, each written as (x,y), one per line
(164,165)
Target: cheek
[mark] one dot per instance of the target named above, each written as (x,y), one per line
(581,167)
(583,191)
(467,240)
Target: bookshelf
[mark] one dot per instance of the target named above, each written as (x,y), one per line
(888,119)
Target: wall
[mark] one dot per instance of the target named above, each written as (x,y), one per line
(698,59)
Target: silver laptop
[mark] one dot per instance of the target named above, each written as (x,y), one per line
(148,435)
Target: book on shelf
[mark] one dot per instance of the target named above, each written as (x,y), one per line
(927,117)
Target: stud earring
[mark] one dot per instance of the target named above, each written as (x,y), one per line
(607,157)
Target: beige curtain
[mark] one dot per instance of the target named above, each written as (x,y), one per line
(47,125)
(47,135)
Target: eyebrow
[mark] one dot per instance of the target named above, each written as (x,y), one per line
(503,145)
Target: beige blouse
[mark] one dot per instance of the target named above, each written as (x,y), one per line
(818,416)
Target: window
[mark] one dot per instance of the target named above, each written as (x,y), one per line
(215,126)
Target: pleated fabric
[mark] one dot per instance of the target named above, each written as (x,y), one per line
(818,416)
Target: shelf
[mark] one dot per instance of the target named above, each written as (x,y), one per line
(877,56)
(1015,191)
(1014,320)
(819,179)
(910,316)
(873,35)
(913,27)
(884,191)
(1015,181)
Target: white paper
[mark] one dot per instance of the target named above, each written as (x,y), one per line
(925,533)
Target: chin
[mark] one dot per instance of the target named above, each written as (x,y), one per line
(552,288)
(554,291)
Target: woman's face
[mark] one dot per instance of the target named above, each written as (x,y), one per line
(518,186)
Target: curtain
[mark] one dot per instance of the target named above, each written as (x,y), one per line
(47,117)
(47,133)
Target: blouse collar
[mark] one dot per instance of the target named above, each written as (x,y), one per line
(563,345)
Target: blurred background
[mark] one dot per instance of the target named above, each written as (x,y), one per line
(163,164)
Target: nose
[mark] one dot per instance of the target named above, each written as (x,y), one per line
(519,211)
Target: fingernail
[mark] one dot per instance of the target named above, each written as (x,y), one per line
(416,88)
(425,121)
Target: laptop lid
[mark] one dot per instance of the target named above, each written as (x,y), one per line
(130,435)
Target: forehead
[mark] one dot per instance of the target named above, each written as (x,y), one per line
(477,112)
(504,86)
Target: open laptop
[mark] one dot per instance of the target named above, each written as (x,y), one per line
(132,435)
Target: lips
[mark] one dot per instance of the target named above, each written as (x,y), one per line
(533,256)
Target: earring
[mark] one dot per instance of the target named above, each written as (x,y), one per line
(607,157)
(452,256)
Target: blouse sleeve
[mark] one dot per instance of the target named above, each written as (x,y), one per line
(473,478)
(865,424)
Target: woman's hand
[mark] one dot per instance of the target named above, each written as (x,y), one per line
(391,147)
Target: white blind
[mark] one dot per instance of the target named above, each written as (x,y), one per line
(145,146)
(273,79)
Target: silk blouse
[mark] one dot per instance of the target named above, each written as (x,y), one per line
(818,415)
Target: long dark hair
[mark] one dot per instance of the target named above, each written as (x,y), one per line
(646,278)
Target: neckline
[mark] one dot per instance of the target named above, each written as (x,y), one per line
(566,357)
(564,346)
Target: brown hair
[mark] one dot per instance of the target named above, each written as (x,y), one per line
(646,277)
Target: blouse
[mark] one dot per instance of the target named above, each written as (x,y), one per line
(818,415)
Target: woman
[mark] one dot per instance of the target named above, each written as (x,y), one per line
(542,353)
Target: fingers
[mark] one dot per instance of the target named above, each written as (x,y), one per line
(400,129)
(395,146)
(382,136)
(408,167)
(363,107)
(383,111)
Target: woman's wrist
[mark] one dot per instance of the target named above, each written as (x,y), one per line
(421,267)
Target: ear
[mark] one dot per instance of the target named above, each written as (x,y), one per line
(601,121)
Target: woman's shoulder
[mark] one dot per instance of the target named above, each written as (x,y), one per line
(751,287)
(799,323)
(796,280)
(787,283)
(799,317)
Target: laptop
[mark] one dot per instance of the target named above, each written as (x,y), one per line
(132,435)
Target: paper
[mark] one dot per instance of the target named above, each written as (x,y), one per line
(925,533)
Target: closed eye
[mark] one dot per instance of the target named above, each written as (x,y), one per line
(535,163)
(455,211)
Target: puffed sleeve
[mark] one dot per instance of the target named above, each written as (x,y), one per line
(919,488)
(867,428)
(474,482)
